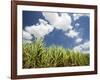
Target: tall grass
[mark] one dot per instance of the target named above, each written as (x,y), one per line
(37,55)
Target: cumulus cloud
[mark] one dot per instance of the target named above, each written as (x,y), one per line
(26,35)
(39,30)
(62,21)
(83,47)
(72,33)
(42,28)
(78,40)
(76,16)
(77,24)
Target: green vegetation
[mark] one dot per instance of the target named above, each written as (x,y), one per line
(37,55)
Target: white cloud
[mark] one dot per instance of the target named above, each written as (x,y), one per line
(50,17)
(76,16)
(78,40)
(43,21)
(83,47)
(72,33)
(77,24)
(62,21)
(26,35)
(40,30)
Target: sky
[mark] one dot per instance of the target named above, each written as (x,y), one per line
(70,30)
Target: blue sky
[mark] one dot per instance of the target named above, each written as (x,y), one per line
(70,30)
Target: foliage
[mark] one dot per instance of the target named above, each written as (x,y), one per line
(37,55)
